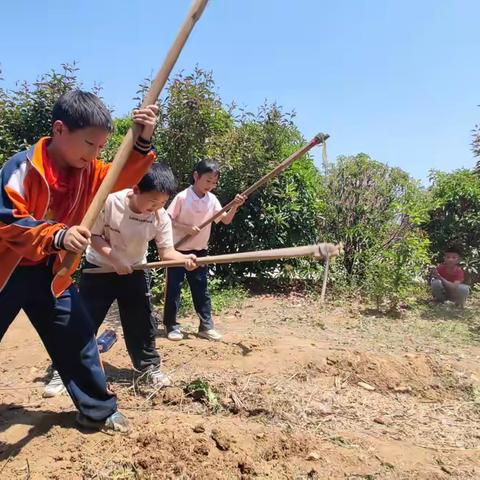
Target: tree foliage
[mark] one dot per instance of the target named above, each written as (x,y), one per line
(454,216)
(375,210)
(385,219)
(25,113)
(195,124)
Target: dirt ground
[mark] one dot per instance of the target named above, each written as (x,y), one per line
(294,391)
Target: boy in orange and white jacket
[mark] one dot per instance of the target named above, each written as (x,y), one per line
(45,192)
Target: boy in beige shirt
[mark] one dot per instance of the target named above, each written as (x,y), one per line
(120,237)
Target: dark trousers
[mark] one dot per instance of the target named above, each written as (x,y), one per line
(66,330)
(198,282)
(132,293)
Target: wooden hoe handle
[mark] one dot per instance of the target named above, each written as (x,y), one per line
(128,142)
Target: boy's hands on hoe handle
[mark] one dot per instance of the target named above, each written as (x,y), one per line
(77,239)
(186,228)
(191,230)
(147,118)
(239,200)
(121,267)
(190,262)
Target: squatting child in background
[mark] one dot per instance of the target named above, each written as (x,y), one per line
(447,280)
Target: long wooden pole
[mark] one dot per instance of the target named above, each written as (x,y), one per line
(325,279)
(317,140)
(317,251)
(128,142)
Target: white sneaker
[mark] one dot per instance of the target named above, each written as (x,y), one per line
(175,335)
(54,387)
(211,334)
(157,378)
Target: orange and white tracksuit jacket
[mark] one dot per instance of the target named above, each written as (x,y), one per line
(25,198)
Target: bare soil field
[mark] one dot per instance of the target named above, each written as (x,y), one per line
(294,391)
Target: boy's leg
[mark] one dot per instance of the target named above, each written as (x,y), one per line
(12,298)
(438,291)
(198,281)
(461,295)
(133,298)
(174,280)
(67,333)
(97,298)
(98,292)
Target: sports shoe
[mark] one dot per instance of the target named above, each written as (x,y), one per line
(211,334)
(175,335)
(54,387)
(116,422)
(157,378)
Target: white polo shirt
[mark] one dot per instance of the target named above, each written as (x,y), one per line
(127,232)
(190,209)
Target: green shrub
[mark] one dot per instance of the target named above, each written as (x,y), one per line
(454,215)
(375,210)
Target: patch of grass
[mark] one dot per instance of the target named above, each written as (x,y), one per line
(223,297)
(444,322)
(452,331)
(447,311)
(450,323)
(446,327)
(201,390)
(227,296)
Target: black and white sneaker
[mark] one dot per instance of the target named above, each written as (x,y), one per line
(54,387)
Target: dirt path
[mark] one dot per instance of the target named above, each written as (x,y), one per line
(295,394)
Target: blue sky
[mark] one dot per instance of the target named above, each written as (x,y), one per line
(396,79)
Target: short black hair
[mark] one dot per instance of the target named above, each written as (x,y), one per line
(206,166)
(453,249)
(159,178)
(78,109)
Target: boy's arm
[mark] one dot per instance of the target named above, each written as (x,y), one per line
(100,245)
(170,253)
(185,228)
(103,247)
(141,157)
(29,237)
(446,283)
(164,241)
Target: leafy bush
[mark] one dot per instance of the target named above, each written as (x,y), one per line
(25,113)
(375,210)
(394,274)
(194,124)
(454,215)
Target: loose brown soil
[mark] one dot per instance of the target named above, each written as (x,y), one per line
(297,392)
